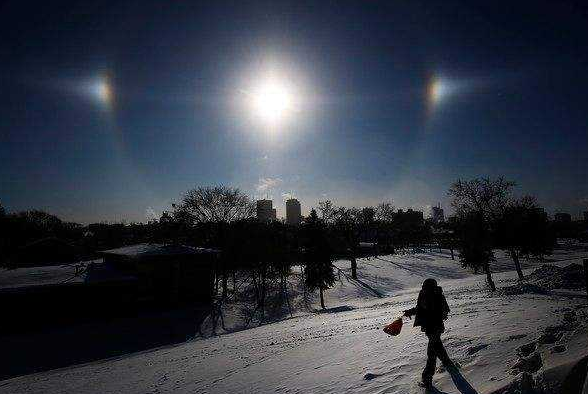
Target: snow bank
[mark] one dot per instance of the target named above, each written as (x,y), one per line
(549,277)
(554,277)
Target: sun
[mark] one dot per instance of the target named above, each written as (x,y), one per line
(272,101)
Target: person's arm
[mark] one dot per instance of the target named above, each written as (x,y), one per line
(410,312)
(445,308)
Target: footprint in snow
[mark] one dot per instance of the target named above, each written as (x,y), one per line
(475,349)
(558,349)
(527,349)
(370,376)
(515,337)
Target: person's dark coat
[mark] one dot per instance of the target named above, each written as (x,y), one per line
(431,308)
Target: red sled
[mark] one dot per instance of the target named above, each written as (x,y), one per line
(394,328)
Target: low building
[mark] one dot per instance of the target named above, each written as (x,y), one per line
(46,251)
(562,217)
(167,272)
(38,297)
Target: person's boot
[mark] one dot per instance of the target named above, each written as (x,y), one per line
(427,383)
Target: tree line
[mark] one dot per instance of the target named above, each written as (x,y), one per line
(487,217)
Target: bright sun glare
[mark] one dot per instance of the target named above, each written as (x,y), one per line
(102,90)
(272,101)
(437,90)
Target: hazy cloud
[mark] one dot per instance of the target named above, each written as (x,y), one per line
(287,196)
(265,184)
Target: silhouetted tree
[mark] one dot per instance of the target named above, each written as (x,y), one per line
(488,197)
(318,259)
(478,204)
(212,208)
(214,204)
(327,211)
(384,212)
(346,225)
(523,230)
(475,245)
(312,217)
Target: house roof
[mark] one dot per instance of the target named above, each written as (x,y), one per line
(157,250)
(88,272)
(46,250)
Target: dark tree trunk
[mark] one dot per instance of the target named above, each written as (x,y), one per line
(225,286)
(285,292)
(322,298)
(489,277)
(353,267)
(515,257)
(263,288)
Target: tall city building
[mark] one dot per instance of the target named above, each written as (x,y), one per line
(293,212)
(265,211)
(586,216)
(437,214)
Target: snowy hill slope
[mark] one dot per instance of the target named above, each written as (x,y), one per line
(345,350)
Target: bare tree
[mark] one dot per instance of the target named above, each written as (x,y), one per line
(488,197)
(385,212)
(523,230)
(327,211)
(479,203)
(216,204)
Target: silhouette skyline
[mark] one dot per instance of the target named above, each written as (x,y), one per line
(111,112)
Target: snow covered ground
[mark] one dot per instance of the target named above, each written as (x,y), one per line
(493,337)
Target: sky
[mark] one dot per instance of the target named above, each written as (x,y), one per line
(110,111)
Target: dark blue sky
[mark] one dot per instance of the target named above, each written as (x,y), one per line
(514,102)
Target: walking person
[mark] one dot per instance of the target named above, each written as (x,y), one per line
(431,310)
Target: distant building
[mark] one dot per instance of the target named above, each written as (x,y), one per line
(293,212)
(563,217)
(265,211)
(586,216)
(437,214)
